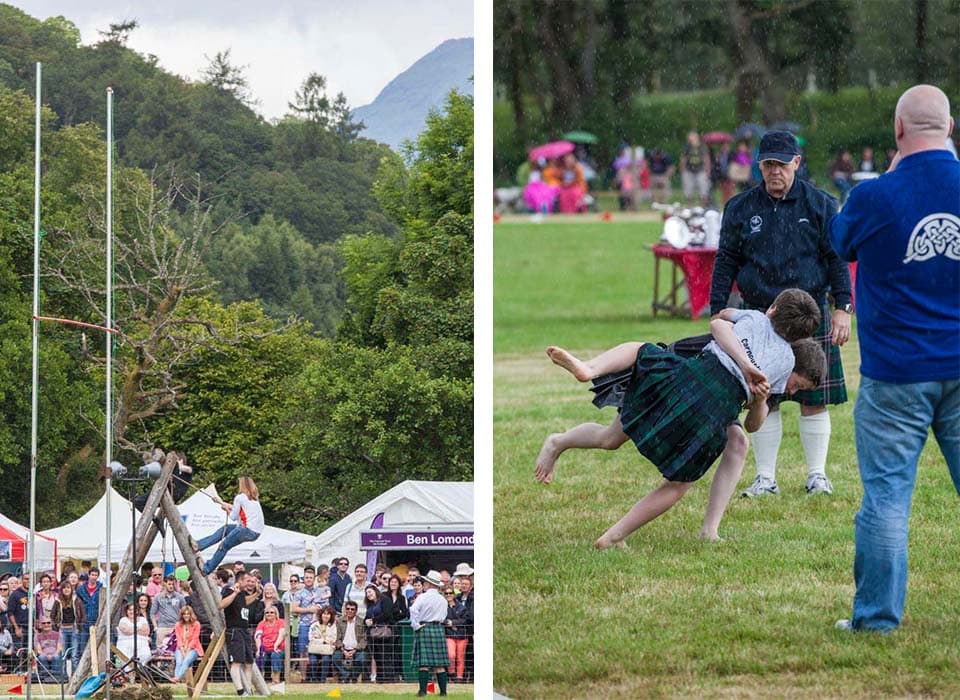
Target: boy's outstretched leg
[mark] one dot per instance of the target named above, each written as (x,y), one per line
(583,436)
(725,479)
(654,504)
(613,360)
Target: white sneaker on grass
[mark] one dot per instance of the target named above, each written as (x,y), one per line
(844,625)
(761,486)
(818,483)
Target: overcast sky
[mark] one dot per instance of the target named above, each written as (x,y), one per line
(359,45)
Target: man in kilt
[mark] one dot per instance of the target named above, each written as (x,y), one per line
(772,237)
(427,616)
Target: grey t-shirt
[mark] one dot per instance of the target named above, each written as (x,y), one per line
(770,353)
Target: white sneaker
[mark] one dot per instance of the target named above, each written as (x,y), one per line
(818,483)
(845,625)
(761,486)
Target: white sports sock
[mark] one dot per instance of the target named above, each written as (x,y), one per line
(766,445)
(815,438)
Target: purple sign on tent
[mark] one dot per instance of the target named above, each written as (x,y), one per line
(416,539)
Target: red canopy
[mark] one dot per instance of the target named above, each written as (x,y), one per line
(13,545)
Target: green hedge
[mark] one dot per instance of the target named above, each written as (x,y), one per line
(852,117)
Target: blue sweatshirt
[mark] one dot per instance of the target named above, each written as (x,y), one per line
(904,230)
(768,245)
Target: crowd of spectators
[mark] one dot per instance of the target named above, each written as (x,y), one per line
(339,624)
(711,168)
(558,185)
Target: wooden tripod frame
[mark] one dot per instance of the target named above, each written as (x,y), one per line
(160,505)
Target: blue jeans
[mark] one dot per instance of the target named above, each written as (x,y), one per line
(54,665)
(229,536)
(303,639)
(349,671)
(184,661)
(325,663)
(70,640)
(891,423)
(844,185)
(272,660)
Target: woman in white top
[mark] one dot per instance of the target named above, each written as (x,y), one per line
(125,634)
(247,517)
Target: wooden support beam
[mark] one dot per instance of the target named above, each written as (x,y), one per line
(206,665)
(208,593)
(146,532)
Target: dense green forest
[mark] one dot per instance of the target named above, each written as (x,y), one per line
(646,72)
(293,302)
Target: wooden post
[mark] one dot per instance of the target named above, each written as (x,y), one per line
(209,596)
(214,648)
(94,660)
(145,534)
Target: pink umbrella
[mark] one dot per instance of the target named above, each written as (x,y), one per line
(717,137)
(554,149)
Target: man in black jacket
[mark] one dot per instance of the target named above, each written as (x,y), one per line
(772,237)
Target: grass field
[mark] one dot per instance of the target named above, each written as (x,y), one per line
(749,617)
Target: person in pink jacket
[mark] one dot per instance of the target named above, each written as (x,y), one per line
(187,631)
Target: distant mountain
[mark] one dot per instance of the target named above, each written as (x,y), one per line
(399,110)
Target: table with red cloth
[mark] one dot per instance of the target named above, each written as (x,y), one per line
(696,267)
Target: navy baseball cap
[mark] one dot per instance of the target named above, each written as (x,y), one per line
(778,145)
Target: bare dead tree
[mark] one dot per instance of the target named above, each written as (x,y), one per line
(161,233)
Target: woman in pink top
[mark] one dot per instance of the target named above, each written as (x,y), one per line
(187,631)
(268,639)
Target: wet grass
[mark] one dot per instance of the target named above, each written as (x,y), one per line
(749,617)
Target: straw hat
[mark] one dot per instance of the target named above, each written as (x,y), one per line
(463,569)
(432,577)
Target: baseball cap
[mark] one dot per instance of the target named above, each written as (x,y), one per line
(779,146)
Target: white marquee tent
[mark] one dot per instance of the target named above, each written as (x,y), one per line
(79,539)
(82,538)
(411,505)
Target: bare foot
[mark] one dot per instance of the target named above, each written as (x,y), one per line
(709,536)
(608,541)
(564,359)
(547,459)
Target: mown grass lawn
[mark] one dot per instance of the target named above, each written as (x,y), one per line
(749,617)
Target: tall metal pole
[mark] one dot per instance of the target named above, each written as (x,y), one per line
(36,378)
(108,448)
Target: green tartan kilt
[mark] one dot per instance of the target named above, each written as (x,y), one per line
(677,410)
(430,646)
(833,389)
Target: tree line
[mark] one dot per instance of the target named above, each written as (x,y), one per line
(561,65)
(212,262)
(301,183)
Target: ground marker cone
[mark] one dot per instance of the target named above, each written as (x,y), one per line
(335,693)
(16,690)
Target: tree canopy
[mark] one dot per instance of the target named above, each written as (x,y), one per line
(560,66)
(248,256)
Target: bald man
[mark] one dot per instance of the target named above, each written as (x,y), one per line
(904,230)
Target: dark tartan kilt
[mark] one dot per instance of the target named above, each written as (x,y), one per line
(833,389)
(677,410)
(430,646)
